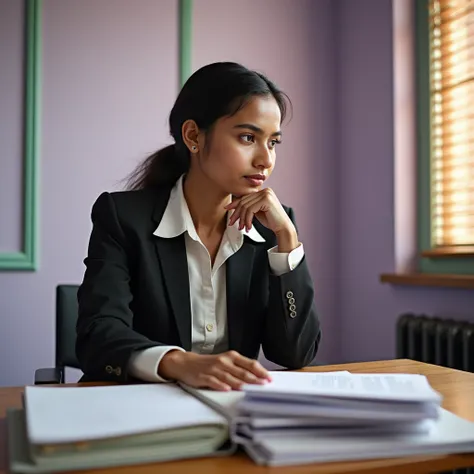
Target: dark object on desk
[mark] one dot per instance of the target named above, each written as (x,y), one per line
(66,317)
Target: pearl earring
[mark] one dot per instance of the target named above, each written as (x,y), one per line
(194,148)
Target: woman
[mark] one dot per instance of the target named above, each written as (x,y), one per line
(197,266)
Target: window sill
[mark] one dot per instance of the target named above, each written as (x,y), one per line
(429,279)
(456,251)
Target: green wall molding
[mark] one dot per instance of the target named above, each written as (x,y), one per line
(185,39)
(27,258)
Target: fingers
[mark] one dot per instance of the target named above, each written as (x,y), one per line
(245,210)
(210,381)
(230,371)
(224,379)
(243,375)
(236,201)
(235,207)
(232,205)
(250,210)
(227,378)
(250,365)
(223,372)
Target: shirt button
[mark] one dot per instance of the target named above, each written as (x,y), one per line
(209,327)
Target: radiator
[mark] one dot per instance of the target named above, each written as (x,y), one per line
(437,341)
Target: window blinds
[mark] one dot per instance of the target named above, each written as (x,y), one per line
(452,121)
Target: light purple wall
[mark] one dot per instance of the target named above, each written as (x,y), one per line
(293,44)
(110,76)
(368,309)
(11,63)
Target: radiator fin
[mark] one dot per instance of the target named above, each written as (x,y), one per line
(444,342)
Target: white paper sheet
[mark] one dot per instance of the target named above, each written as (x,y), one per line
(72,414)
(396,387)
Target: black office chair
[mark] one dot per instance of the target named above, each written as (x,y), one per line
(66,317)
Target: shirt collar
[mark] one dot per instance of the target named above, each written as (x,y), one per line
(177,219)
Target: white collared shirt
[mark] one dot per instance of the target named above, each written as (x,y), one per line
(207,283)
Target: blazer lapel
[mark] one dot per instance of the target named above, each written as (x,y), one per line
(174,265)
(239,269)
(172,255)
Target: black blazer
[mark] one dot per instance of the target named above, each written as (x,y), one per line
(135,292)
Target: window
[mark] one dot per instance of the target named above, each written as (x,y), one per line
(445,90)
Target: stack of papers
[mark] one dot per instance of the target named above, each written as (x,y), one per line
(345,399)
(76,428)
(297,418)
(317,417)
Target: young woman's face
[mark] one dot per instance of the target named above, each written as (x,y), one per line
(241,149)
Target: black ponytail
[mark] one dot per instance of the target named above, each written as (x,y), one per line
(212,92)
(163,167)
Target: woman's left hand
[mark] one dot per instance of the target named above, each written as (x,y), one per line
(266,207)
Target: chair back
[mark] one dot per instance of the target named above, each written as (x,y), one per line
(66,318)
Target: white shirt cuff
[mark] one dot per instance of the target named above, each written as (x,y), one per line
(281,263)
(144,364)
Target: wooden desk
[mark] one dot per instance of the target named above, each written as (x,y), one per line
(456,386)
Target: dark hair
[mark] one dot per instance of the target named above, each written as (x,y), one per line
(214,91)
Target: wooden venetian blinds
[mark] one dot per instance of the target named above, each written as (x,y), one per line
(452,121)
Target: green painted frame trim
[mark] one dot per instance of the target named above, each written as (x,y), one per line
(445,265)
(185,39)
(27,258)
